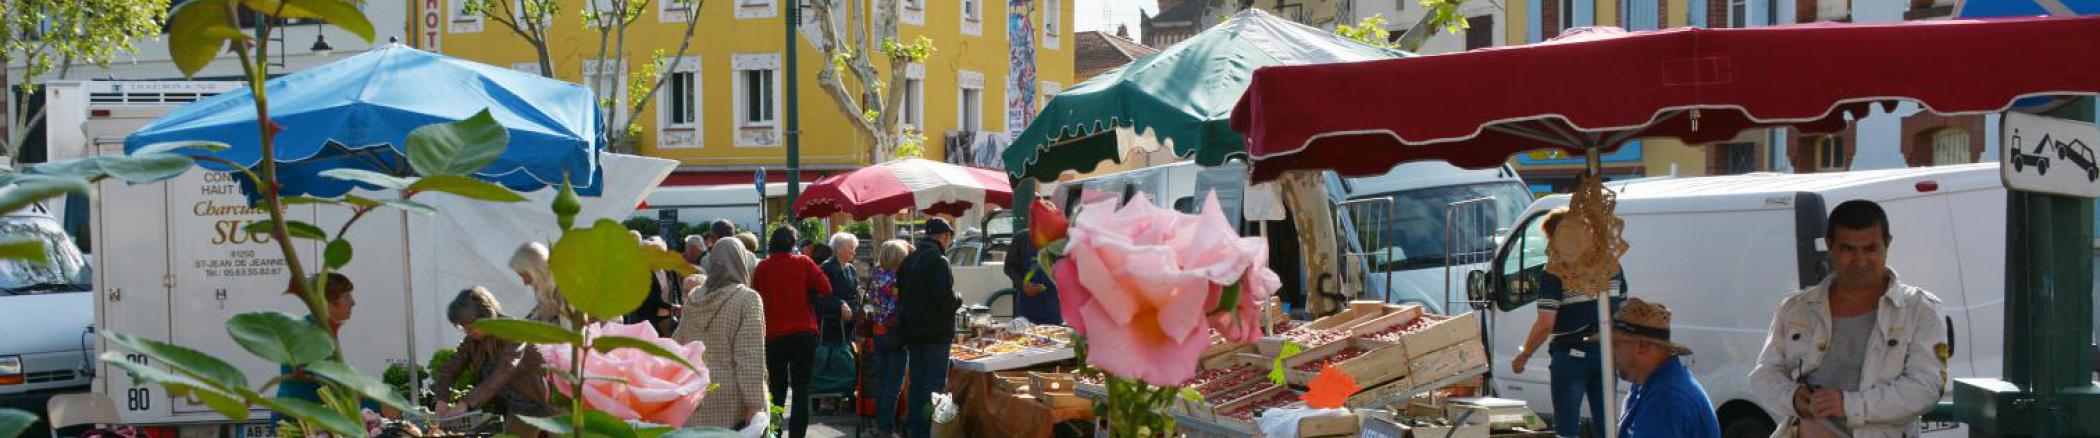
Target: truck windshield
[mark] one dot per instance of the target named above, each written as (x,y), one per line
(1421,226)
(61,270)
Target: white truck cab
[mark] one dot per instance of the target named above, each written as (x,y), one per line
(1722,252)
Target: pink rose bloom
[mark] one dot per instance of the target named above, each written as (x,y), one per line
(649,388)
(1138,283)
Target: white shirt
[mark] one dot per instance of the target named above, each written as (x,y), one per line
(1904,374)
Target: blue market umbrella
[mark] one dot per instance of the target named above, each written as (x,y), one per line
(357,113)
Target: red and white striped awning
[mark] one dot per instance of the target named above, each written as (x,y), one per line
(923,185)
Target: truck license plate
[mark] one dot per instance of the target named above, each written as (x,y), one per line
(258,430)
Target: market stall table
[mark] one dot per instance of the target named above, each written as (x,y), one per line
(988,410)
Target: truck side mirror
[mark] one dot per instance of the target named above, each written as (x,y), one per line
(1477,285)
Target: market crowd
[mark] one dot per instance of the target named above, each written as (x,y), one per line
(769,315)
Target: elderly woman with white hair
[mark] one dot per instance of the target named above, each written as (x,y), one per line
(530,262)
(728,317)
(836,312)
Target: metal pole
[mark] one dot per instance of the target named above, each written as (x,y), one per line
(1594,163)
(794,119)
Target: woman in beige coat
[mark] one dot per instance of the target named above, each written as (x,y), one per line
(726,316)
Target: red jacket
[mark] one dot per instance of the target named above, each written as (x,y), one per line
(785,282)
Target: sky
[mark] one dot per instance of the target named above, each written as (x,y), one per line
(1104,15)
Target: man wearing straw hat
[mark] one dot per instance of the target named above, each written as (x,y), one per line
(1664,401)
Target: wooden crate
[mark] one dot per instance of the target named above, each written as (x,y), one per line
(1010,382)
(1330,426)
(1444,363)
(1218,349)
(1273,345)
(1044,383)
(1218,416)
(1459,329)
(1393,317)
(1379,364)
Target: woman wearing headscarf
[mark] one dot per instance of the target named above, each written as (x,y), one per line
(728,317)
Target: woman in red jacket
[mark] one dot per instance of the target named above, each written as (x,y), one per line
(785,283)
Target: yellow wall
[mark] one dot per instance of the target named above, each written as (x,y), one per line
(1517,15)
(1657,154)
(827,137)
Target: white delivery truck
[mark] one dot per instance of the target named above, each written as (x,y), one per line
(172,264)
(1416,228)
(1723,251)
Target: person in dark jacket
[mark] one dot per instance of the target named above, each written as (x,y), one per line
(835,313)
(926,295)
(665,299)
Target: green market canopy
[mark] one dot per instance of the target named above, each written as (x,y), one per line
(1183,96)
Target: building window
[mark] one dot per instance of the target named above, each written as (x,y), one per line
(1052,22)
(1737,158)
(912,12)
(1831,154)
(1738,13)
(746,9)
(914,103)
(674,11)
(757,89)
(612,86)
(1950,146)
(973,17)
(972,109)
(678,112)
(464,18)
(1480,32)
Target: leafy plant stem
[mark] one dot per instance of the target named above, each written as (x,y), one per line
(257,69)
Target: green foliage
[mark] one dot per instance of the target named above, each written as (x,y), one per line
(603,272)
(458,148)
(28,250)
(280,337)
(13,422)
(642,224)
(860,228)
(1446,15)
(911,143)
(1371,30)
(529,331)
(566,206)
(917,51)
(293,228)
(465,187)
(338,254)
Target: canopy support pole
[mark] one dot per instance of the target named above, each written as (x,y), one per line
(1593,162)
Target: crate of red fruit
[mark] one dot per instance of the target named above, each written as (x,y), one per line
(1395,319)
(1322,331)
(1443,333)
(1240,413)
(1369,363)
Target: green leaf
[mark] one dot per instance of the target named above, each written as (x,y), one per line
(601,270)
(606,344)
(1228,299)
(204,367)
(146,168)
(317,414)
(295,229)
(306,200)
(197,32)
(365,386)
(1276,368)
(1191,395)
(13,422)
(280,337)
(233,408)
(466,187)
(553,425)
(601,423)
(182,146)
(26,250)
(528,331)
(30,189)
(410,206)
(337,12)
(338,254)
(370,178)
(360,201)
(458,148)
(652,431)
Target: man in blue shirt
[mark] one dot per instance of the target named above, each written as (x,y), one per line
(1665,401)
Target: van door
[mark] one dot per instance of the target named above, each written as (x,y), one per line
(1510,285)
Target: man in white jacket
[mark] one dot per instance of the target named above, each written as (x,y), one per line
(1861,354)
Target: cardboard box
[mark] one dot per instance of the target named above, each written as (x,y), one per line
(1382,428)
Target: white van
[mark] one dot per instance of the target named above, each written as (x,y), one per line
(1722,252)
(739,203)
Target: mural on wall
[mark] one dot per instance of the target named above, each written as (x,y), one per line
(1020,76)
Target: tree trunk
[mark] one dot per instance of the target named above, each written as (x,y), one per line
(1329,286)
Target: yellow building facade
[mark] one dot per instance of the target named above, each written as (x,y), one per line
(723,109)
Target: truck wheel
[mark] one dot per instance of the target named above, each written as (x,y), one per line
(1748,427)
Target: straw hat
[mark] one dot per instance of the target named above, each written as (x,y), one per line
(1639,320)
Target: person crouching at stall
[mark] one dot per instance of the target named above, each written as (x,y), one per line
(729,318)
(510,372)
